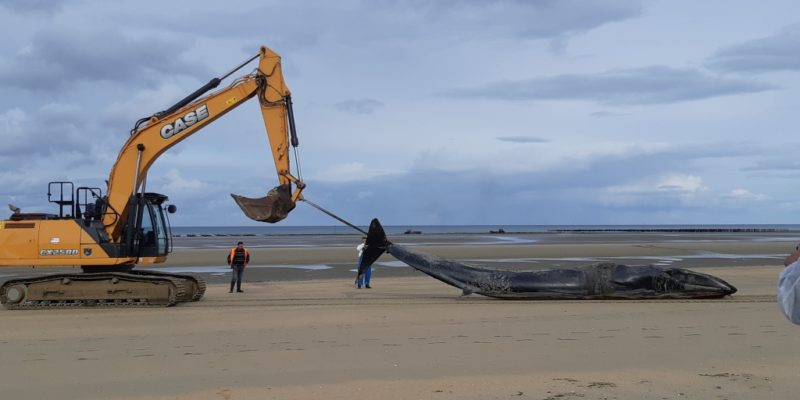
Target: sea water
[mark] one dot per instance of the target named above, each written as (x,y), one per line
(268,230)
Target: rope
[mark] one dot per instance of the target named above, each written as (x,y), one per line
(333,215)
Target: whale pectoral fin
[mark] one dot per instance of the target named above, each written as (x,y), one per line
(466,292)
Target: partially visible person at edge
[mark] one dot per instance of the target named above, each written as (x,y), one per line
(789,287)
(238,259)
(363,278)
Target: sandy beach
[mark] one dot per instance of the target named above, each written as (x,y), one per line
(412,337)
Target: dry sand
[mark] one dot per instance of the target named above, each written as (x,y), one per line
(408,338)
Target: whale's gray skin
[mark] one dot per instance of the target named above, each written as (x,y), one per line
(596,281)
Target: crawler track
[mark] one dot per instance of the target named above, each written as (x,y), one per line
(107,289)
(196,287)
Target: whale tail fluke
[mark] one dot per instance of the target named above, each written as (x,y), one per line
(377,243)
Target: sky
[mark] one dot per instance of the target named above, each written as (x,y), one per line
(424,112)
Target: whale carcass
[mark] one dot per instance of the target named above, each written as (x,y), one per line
(596,281)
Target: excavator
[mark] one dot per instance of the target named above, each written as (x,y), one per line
(106,235)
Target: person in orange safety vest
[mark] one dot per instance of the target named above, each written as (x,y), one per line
(238,259)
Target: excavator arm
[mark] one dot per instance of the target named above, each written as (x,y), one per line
(157,134)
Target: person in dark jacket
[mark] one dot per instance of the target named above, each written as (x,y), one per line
(238,259)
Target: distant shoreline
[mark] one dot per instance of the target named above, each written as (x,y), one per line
(272,231)
(680,230)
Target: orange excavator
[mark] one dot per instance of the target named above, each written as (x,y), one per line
(108,234)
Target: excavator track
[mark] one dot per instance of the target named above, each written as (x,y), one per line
(105,289)
(196,287)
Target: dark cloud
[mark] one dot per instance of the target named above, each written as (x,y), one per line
(532,19)
(780,51)
(569,193)
(774,165)
(53,142)
(522,139)
(471,197)
(648,85)
(362,106)
(57,58)
(362,23)
(52,129)
(604,114)
(712,150)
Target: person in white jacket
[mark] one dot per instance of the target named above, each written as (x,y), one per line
(364,277)
(789,287)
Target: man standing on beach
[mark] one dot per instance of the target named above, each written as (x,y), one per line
(789,287)
(364,272)
(238,259)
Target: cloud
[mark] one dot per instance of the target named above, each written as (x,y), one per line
(679,184)
(174,182)
(124,111)
(657,191)
(530,19)
(363,106)
(200,202)
(647,85)
(544,197)
(606,184)
(744,194)
(53,129)
(346,172)
(24,177)
(365,194)
(776,165)
(34,6)
(367,23)
(57,58)
(777,52)
(522,139)
(595,164)
(14,183)
(604,114)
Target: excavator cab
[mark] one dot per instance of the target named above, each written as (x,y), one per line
(147,233)
(151,238)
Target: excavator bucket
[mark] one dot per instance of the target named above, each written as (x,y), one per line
(271,208)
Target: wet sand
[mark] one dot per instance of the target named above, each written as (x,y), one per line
(313,257)
(415,337)
(337,259)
